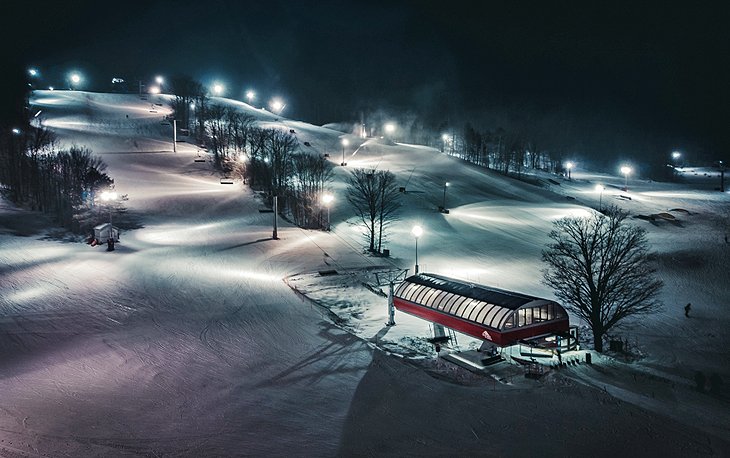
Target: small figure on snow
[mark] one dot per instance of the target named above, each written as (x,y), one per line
(687,308)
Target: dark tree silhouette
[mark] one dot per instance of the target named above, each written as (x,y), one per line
(375,197)
(599,267)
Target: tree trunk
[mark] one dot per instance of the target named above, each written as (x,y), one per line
(598,341)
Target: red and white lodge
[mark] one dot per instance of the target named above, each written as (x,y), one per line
(502,317)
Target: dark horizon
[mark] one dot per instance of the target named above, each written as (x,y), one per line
(639,80)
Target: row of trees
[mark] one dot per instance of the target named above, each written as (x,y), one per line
(35,174)
(501,150)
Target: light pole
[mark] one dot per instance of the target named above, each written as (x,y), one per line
(345,142)
(675,162)
(327,200)
(443,204)
(444,139)
(626,170)
(600,188)
(417,231)
(160,81)
(569,165)
(721,166)
(275,203)
(250,95)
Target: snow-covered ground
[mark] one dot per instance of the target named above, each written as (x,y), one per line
(187,340)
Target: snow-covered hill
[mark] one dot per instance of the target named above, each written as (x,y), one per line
(186,340)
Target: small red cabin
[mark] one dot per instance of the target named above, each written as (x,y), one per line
(483,312)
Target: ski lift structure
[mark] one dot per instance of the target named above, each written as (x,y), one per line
(495,316)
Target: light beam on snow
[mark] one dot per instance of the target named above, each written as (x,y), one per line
(28,294)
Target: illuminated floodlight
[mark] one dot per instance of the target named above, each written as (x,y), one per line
(108,195)
(250,95)
(154,89)
(600,188)
(569,166)
(75,78)
(626,170)
(32,72)
(277,105)
(390,128)
(445,137)
(192,105)
(345,142)
(218,89)
(16,131)
(327,200)
(159,80)
(51,88)
(676,155)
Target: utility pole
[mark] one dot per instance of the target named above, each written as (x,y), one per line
(174,135)
(275,235)
(722,177)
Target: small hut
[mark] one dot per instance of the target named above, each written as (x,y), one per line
(104,232)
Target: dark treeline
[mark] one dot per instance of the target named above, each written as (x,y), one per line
(35,174)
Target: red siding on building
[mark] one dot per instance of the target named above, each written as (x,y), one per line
(477,330)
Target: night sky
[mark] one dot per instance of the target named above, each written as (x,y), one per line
(615,77)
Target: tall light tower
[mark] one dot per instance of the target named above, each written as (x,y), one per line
(345,142)
(569,166)
(600,188)
(327,200)
(626,170)
(443,203)
(417,231)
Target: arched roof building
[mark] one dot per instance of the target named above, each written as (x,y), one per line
(503,317)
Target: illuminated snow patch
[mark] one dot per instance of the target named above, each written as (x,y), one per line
(29,294)
(176,235)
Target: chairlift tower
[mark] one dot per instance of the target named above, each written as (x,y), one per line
(390,277)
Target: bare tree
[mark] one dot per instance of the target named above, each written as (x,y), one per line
(187,92)
(279,149)
(375,198)
(312,174)
(600,268)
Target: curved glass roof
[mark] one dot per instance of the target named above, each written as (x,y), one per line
(481,304)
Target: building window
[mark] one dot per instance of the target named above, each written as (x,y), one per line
(510,323)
